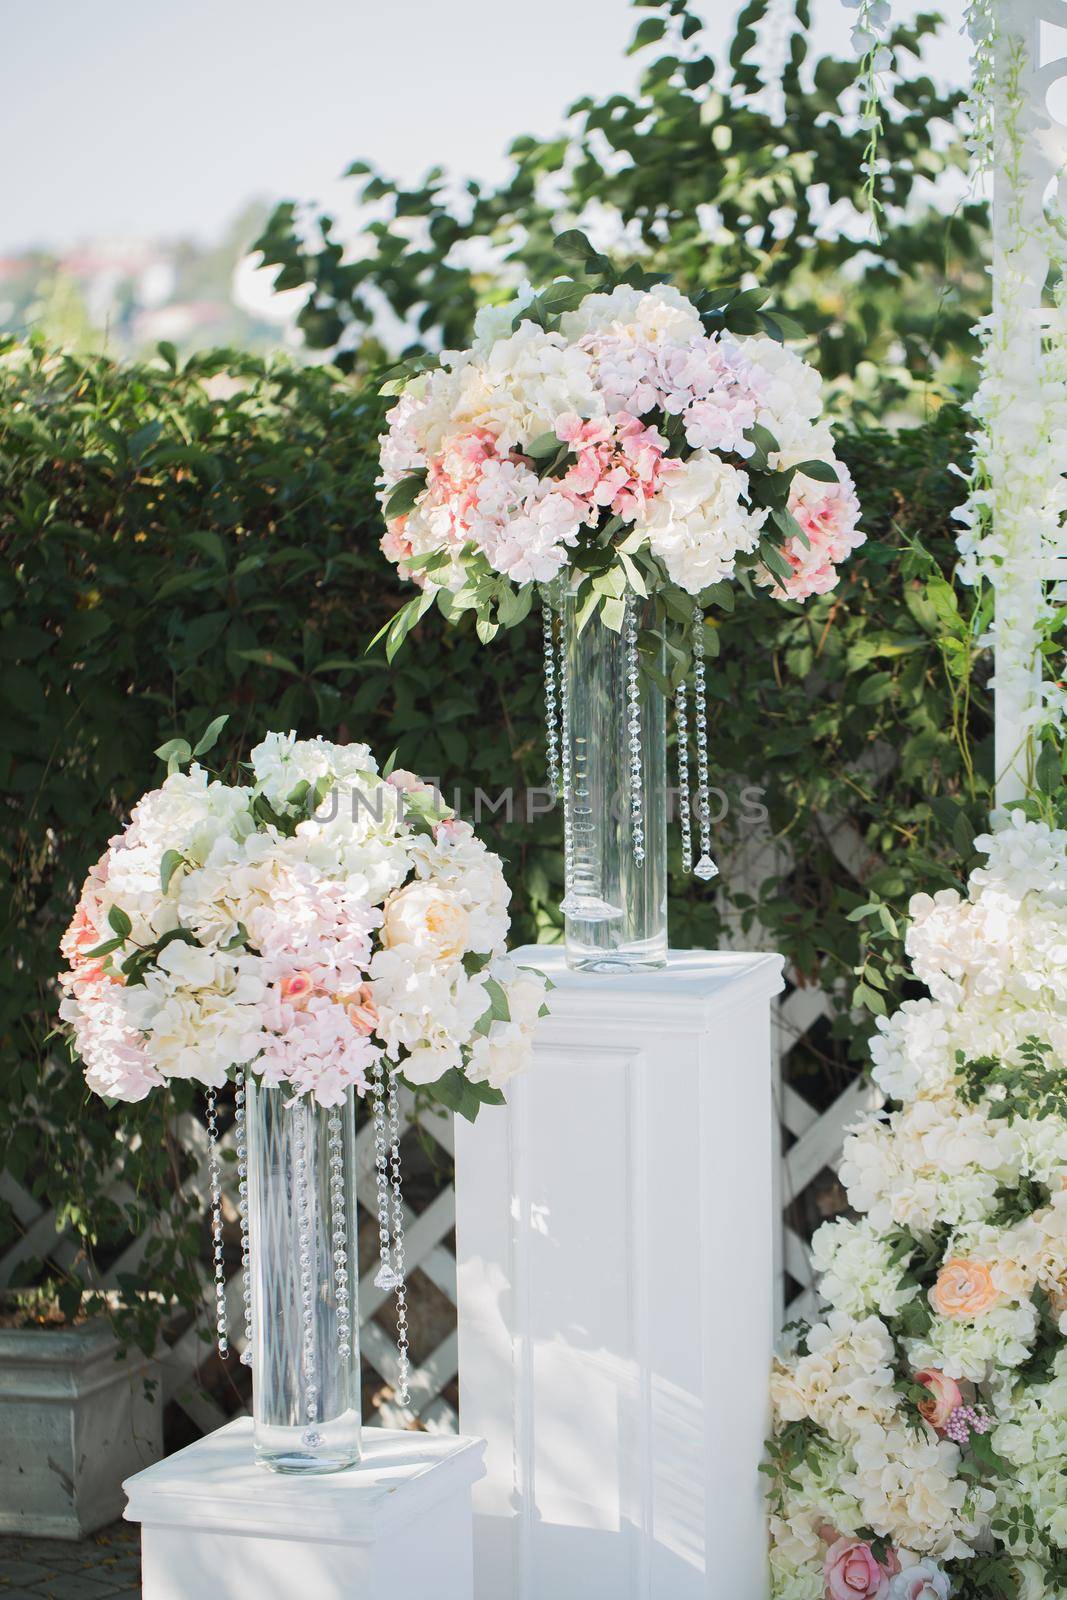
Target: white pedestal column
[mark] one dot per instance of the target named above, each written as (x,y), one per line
(216,1526)
(616,1309)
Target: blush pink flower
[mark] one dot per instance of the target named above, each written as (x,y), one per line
(621,464)
(296,990)
(827,514)
(944,1397)
(360,1010)
(853,1573)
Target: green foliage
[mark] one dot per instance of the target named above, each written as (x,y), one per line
(186,542)
(1033,1087)
(182,543)
(696,180)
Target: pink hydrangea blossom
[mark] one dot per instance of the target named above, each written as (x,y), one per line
(828,514)
(621,464)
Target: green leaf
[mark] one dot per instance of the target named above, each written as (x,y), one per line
(402,499)
(168,866)
(176,752)
(646,33)
(120,922)
(1048,769)
(875,688)
(269,658)
(209,737)
(821,471)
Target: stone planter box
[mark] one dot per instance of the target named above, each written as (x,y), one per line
(74,1422)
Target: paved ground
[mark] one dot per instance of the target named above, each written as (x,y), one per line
(105,1567)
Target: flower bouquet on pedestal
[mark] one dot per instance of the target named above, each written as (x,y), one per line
(319,934)
(625,457)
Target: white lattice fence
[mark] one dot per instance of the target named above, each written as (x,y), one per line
(810,1136)
(426,1251)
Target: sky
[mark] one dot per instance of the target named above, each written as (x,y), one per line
(126,118)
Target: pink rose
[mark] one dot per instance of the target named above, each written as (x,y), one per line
(297,989)
(408,782)
(944,1397)
(852,1573)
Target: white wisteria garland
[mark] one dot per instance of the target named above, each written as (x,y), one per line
(1013,515)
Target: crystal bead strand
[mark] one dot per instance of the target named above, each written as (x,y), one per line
(633,718)
(705,867)
(681,716)
(385,1277)
(301,1116)
(240,1129)
(402,1392)
(339,1234)
(566,776)
(222,1325)
(551,707)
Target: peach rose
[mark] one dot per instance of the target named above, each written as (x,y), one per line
(963,1289)
(944,1397)
(852,1572)
(361,1010)
(297,989)
(428,919)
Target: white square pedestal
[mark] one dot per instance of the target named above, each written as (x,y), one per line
(615,1271)
(395,1527)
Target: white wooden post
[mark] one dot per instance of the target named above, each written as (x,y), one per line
(615,1289)
(1026,160)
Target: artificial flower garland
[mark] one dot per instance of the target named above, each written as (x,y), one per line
(920,1440)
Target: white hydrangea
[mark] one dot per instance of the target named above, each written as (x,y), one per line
(644,316)
(986,1191)
(856,1269)
(699,522)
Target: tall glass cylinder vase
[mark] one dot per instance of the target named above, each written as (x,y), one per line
(614,770)
(304,1280)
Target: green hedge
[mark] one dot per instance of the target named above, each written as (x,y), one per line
(180,541)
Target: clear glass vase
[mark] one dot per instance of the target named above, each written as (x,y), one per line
(304,1278)
(616,901)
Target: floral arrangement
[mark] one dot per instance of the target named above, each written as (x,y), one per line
(305,926)
(920,1438)
(618,432)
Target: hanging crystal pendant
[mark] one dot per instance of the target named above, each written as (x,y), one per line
(385,1278)
(403,1368)
(311,1436)
(681,718)
(339,1232)
(705,867)
(222,1326)
(571,898)
(240,1127)
(551,708)
(633,732)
